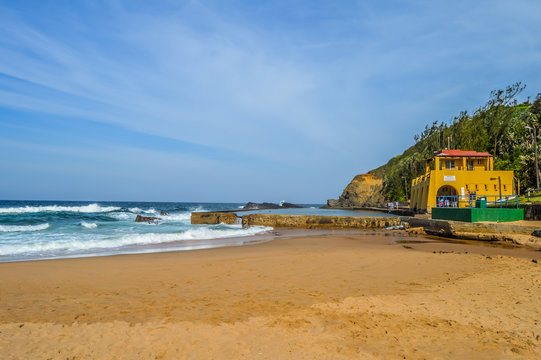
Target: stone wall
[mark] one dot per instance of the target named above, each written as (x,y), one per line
(513,233)
(319,222)
(448,227)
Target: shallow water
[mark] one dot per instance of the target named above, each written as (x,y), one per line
(31,230)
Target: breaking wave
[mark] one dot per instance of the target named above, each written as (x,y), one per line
(89,225)
(18,228)
(91,208)
(121,216)
(68,246)
(137,210)
(177,217)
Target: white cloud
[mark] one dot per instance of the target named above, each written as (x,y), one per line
(341,87)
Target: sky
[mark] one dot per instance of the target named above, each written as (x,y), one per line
(235,101)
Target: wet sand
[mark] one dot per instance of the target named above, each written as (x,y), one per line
(340,296)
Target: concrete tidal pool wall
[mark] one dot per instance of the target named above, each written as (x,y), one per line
(295,221)
(211,218)
(319,222)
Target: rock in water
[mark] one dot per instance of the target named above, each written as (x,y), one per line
(287,205)
(266,206)
(164,213)
(251,206)
(147,219)
(363,191)
(333,203)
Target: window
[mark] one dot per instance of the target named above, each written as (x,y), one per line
(486,187)
(450,164)
(495,188)
(470,165)
(505,188)
(479,161)
(476,187)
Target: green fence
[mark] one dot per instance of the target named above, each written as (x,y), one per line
(478,214)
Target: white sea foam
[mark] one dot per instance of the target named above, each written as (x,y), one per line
(18,228)
(68,246)
(91,208)
(137,210)
(177,217)
(89,225)
(120,216)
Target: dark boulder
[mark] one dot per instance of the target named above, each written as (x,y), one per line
(537,233)
(287,205)
(147,219)
(267,206)
(251,206)
(333,203)
(164,213)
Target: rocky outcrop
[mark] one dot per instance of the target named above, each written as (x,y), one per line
(364,190)
(266,206)
(147,219)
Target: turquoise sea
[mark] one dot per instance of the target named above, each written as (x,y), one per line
(31,230)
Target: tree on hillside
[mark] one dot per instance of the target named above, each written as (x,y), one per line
(498,127)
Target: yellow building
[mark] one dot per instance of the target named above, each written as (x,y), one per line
(457,178)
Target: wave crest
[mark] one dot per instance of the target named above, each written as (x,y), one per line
(91,208)
(89,225)
(74,246)
(18,228)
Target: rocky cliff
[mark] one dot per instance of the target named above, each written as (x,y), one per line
(363,191)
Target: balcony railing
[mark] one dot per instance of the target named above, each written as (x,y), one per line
(473,201)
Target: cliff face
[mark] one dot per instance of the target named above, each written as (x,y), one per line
(364,190)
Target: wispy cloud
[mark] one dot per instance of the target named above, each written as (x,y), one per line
(330,89)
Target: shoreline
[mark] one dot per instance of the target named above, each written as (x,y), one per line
(344,295)
(428,243)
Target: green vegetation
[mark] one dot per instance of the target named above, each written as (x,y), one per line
(535,198)
(502,127)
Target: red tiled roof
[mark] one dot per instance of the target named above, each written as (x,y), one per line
(461,153)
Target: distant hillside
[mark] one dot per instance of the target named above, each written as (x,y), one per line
(498,127)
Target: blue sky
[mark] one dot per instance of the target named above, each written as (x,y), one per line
(239,101)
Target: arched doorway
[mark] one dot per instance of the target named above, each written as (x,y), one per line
(447,196)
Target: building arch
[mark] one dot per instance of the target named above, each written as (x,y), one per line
(447,190)
(447,196)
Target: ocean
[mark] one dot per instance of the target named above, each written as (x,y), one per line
(33,230)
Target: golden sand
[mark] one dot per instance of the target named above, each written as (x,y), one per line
(352,296)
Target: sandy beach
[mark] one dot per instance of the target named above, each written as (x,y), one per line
(344,296)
